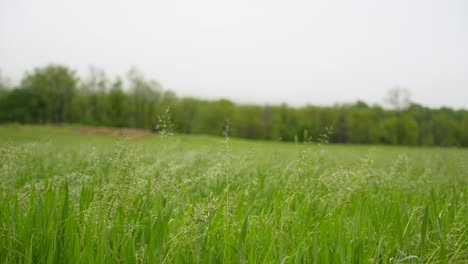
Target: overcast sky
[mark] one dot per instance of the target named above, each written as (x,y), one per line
(260,51)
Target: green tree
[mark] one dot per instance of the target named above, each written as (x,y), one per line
(184,113)
(5,85)
(116,104)
(215,118)
(54,87)
(144,98)
(362,126)
(19,105)
(250,123)
(93,90)
(400,130)
(51,94)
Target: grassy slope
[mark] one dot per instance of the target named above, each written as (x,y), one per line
(68,197)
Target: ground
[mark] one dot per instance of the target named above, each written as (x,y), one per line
(73,197)
(111,131)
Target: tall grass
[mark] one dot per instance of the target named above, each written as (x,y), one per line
(204,200)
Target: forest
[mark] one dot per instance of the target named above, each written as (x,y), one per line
(55,94)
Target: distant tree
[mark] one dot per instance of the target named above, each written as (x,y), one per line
(53,87)
(215,117)
(184,113)
(311,122)
(145,95)
(463,132)
(166,105)
(93,89)
(362,126)
(398,98)
(444,130)
(19,105)
(360,105)
(285,125)
(4,91)
(116,104)
(342,129)
(5,84)
(55,94)
(250,123)
(400,131)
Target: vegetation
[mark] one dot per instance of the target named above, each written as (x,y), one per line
(72,198)
(54,94)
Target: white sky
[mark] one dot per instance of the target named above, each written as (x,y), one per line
(260,51)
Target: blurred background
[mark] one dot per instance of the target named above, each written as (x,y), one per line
(362,72)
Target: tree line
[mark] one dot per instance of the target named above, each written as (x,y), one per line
(54,94)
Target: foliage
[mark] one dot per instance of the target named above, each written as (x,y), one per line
(54,94)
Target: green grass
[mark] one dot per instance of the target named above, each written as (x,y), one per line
(72,198)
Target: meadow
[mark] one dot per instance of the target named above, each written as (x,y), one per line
(67,197)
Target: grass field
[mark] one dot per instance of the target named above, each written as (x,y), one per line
(67,197)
